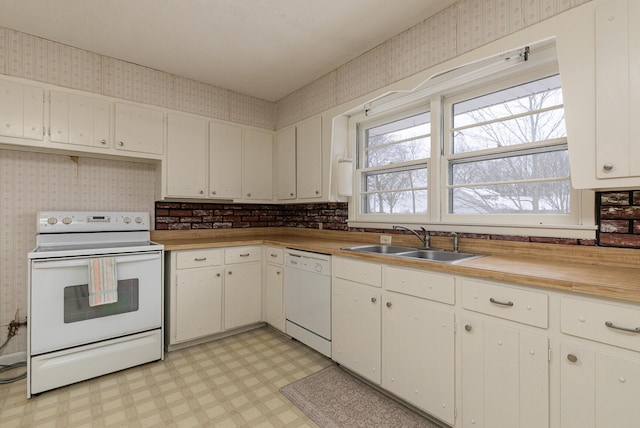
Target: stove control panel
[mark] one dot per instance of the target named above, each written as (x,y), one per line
(89,221)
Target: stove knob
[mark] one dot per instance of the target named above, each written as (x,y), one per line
(52,220)
(67,220)
(126,220)
(138,220)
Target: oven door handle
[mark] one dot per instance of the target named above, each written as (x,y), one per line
(49,264)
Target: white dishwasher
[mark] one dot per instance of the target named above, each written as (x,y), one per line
(307,298)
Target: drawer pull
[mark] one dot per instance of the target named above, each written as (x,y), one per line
(498,302)
(245,255)
(468,327)
(572,358)
(615,327)
(273,255)
(199,259)
(388,304)
(373,300)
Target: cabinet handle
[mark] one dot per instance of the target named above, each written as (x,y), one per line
(248,195)
(373,300)
(498,302)
(103,141)
(213,192)
(202,192)
(468,327)
(627,329)
(273,255)
(572,358)
(230,272)
(277,272)
(607,166)
(218,275)
(317,192)
(290,194)
(121,143)
(245,255)
(199,259)
(388,304)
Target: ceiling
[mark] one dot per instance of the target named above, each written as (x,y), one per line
(263,48)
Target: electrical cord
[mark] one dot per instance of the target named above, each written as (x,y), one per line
(13,330)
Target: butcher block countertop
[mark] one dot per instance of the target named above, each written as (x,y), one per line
(597,271)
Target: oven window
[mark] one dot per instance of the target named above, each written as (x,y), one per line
(76,302)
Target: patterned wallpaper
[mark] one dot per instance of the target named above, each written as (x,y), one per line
(30,57)
(30,182)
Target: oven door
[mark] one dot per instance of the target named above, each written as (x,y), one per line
(60,315)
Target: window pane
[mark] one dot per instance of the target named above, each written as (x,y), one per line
(405,202)
(401,152)
(541,126)
(516,115)
(398,141)
(396,180)
(512,168)
(550,197)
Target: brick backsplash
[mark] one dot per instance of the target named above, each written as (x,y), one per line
(619,218)
(186,216)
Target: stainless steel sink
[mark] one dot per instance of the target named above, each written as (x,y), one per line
(433,255)
(381,249)
(439,256)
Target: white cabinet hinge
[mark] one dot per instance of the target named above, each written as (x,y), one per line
(455,327)
(549,354)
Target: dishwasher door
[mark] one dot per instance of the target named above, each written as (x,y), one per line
(307,295)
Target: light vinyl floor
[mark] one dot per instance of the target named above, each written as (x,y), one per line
(231,382)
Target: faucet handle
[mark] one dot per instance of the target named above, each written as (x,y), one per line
(456,240)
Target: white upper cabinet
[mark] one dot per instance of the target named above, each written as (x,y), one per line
(186,156)
(78,119)
(21,110)
(139,129)
(309,158)
(225,161)
(258,165)
(599,68)
(285,164)
(617,88)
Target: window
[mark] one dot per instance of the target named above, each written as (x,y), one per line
(488,149)
(393,162)
(508,151)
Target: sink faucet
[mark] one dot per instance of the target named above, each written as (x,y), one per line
(426,241)
(456,240)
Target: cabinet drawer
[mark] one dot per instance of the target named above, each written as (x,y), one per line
(274,255)
(526,307)
(601,322)
(428,285)
(363,272)
(198,258)
(242,255)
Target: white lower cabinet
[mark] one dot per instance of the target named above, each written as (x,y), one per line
(356,336)
(505,376)
(274,287)
(209,291)
(418,357)
(197,303)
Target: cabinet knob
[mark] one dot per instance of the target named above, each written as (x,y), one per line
(103,141)
(230,272)
(291,194)
(248,195)
(213,192)
(388,304)
(468,327)
(572,358)
(607,166)
(121,143)
(277,272)
(317,192)
(202,192)
(218,275)
(373,300)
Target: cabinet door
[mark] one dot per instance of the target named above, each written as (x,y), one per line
(21,110)
(598,390)
(274,296)
(285,164)
(419,354)
(198,303)
(225,161)
(356,328)
(309,158)
(258,165)
(77,119)
(242,295)
(139,129)
(505,376)
(186,156)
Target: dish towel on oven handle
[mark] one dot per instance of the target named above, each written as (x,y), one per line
(103,282)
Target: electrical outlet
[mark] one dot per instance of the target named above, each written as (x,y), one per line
(385,239)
